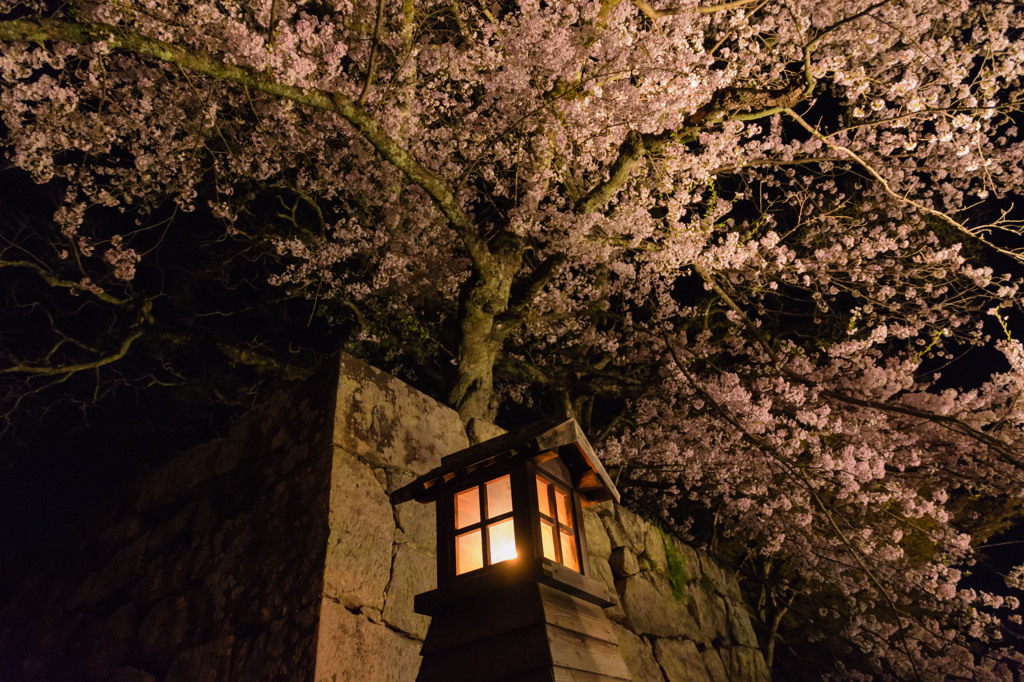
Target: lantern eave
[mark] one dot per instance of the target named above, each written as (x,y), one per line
(560,434)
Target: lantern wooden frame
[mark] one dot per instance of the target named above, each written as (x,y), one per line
(530,618)
(554,448)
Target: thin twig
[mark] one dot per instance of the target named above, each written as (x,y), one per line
(372,66)
(974,233)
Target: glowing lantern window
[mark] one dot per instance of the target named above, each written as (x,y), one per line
(485,529)
(508,508)
(558,541)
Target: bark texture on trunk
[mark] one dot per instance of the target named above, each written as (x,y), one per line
(481,339)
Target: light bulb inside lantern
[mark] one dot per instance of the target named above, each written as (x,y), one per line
(502,541)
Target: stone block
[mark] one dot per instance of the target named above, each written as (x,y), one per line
(598,544)
(652,610)
(129,674)
(713,572)
(740,628)
(713,664)
(390,424)
(690,556)
(616,535)
(362,528)
(119,532)
(654,549)
(208,662)
(417,527)
(111,643)
(412,573)
(638,656)
(623,563)
(708,611)
(294,456)
(350,647)
(478,430)
(680,660)
(163,630)
(172,535)
(416,522)
(634,529)
(718,628)
(744,664)
(124,568)
(180,476)
(281,650)
(733,594)
(90,589)
(602,572)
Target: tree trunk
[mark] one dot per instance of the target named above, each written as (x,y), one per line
(481,340)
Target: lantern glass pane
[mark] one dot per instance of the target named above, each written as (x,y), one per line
(547,538)
(569,550)
(469,552)
(542,497)
(502,539)
(499,496)
(564,508)
(467,507)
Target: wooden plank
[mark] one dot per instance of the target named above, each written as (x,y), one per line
(444,514)
(477,619)
(569,675)
(574,614)
(576,651)
(567,580)
(488,659)
(541,674)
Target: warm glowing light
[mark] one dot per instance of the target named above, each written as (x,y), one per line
(483,514)
(469,554)
(467,508)
(558,540)
(502,537)
(547,537)
(499,496)
(542,497)
(569,550)
(562,504)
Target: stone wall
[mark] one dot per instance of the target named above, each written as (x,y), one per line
(209,570)
(274,553)
(379,556)
(679,617)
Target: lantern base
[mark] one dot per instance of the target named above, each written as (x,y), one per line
(518,626)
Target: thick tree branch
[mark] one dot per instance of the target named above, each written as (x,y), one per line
(652,13)
(45,370)
(742,104)
(56,282)
(41,30)
(724,6)
(539,279)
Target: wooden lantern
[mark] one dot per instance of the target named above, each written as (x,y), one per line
(515,597)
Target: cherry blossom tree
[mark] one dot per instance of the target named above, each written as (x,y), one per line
(741,240)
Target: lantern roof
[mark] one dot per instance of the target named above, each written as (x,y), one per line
(559,434)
